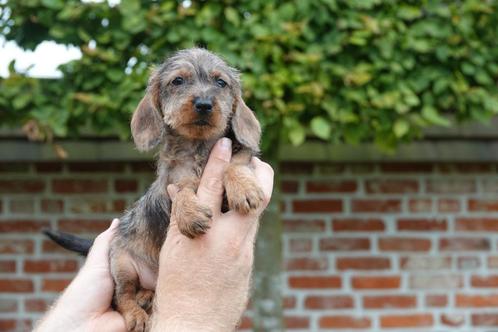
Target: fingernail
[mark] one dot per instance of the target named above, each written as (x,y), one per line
(114,223)
(226,143)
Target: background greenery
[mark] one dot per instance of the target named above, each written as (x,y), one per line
(339,70)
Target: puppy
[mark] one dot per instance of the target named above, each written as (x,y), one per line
(192,100)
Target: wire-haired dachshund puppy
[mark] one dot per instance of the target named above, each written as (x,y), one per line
(192,100)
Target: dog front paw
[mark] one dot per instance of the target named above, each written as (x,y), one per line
(192,217)
(136,320)
(145,299)
(243,194)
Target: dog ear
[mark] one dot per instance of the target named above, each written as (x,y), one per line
(245,126)
(146,124)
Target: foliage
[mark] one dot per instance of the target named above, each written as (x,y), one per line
(337,70)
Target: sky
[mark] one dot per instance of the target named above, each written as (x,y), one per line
(44,59)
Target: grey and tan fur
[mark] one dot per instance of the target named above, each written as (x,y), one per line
(192,100)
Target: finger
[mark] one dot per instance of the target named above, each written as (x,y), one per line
(111,321)
(100,249)
(172,191)
(210,191)
(264,176)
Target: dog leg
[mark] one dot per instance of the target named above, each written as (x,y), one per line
(243,193)
(192,217)
(145,299)
(127,284)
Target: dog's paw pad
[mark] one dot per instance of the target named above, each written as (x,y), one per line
(246,202)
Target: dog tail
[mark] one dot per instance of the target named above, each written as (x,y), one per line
(70,242)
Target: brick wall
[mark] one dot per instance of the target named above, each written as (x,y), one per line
(383,247)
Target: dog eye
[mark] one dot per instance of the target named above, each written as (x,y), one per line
(221,83)
(178,81)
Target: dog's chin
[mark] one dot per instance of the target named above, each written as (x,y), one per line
(200,130)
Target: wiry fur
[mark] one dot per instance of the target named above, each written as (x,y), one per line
(166,117)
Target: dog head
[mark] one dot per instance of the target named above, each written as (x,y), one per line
(196,95)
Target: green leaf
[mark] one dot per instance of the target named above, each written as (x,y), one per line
(431,114)
(401,128)
(320,127)
(297,135)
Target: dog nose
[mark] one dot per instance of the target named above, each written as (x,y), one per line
(203,105)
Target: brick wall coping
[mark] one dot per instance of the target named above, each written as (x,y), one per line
(113,150)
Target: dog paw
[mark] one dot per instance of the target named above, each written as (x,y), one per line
(194,220)
(136,320)
(245,196)
(145,299)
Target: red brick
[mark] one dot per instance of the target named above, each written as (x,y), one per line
(21,186)
(84,225)
(310,282)
(465,168)
(436,281)
(391,186)
(8,305)
(52,205)
(420,205)
(344,244)
(125,186)
(358,225)
(345,322)
(95,167)
(22,206)
(363,263)
(304,226)
(329,302)
(16,286)
(422,225)
(418,263)
(490,281)
(47,266)
(36,305)
(71,186)
(404,244)
(436,301)
(55,285)
(464,244)
(485,319)
(48,167)
(376,282)
(50,247)
(331,186)
(306,264)
(410,320)
(296,322)
(376,205)
(451,186)
(483,205)
(477,224)
(407,167)
(448,205)
(476,301)
(16,246)
(389,302)
(317,205)
(296,167)
(7,266)
(493,262)
(289,187)
(22,225)
(300,245)
(8,325)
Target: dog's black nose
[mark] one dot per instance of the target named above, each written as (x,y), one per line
(203,105)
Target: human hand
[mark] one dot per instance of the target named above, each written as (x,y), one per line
(203,283)
(85,305)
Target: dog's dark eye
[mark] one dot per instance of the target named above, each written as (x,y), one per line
(221,83)
(178,81)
